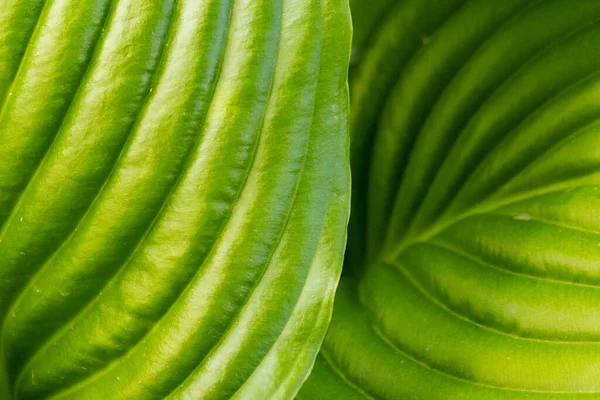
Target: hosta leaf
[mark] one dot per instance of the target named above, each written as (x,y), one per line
(475,247)
(173,195)
(365,17)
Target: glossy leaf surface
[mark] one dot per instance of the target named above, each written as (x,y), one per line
(173,195)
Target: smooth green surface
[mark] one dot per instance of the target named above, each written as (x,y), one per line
(174,192)
(475,233)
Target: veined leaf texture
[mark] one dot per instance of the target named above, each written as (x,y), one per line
(473,267)
(174,193)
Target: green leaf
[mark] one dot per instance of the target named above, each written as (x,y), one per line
(173,195)
(475,234)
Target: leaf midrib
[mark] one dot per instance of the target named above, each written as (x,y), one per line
(488,205)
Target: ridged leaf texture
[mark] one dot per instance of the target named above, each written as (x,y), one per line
(174,187)
(474,247)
